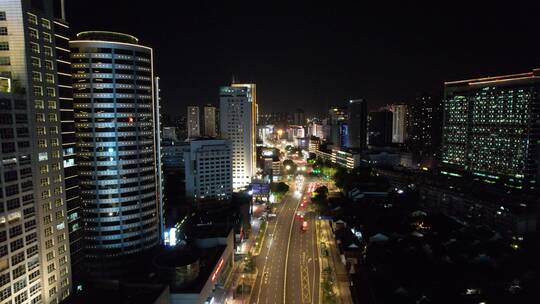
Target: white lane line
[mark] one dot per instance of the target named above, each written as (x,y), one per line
(287,255)
(268,251)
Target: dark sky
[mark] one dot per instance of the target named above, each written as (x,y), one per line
(313,56)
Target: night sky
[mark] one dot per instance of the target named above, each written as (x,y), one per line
(313,56)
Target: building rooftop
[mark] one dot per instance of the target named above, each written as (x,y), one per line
(107,36)
(534,74)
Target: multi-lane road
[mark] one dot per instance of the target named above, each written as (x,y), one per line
(288,263)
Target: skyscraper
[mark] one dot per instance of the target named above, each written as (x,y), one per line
(34,247)
(210,121)
(492,130)
(399,123)
(114,120)
(357,126)
(424,125)
(238,124)
(193,121)
(380,128)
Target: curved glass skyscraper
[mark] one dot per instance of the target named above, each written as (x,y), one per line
(114,121)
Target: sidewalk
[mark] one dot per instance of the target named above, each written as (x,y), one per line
(330,259)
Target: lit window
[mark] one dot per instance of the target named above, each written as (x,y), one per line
(34,47)
(46,23)
(36,76)
(43,156)
(38,91)
(36,62)
(33,33)
(47,50)
(47,37)
(49,65)
(32,19)
(49,78)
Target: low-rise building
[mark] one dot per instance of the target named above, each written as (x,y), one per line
(347,158)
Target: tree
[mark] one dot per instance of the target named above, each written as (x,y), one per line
(280,187)
(289,166)
(320,195)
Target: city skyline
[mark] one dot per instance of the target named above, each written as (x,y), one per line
(308,55)
(250,153)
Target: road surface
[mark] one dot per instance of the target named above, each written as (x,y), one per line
(288,263)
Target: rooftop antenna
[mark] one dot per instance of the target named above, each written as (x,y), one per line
(233,79)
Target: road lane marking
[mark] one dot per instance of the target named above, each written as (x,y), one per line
(287,255)
(268,251)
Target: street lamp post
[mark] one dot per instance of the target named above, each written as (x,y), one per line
(242,288)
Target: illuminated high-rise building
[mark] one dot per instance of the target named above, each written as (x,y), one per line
(399,123)
(492,130)
(193,122)
(115,112)
(209,113)
(36,179)
(424,125)
(238,125)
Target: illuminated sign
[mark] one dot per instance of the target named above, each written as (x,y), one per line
(268,153)
(218,269)
(170,237)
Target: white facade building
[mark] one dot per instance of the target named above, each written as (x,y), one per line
(315,129)
(35,263)
(208,170)
(238,124)
(399,132)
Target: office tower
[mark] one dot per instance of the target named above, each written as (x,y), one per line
(169,133)
(337,114)
(210,121)
(424,125)
(158,156)
(295,132)
(73,199)
(299,117)
(34,247)
(238,124)
(399,123)
(337,117)
(208,170)
(492,129)
(316,129)
(114,119)
(344,134)
(181,125)
(357,123)
(380,128)
(193,122)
